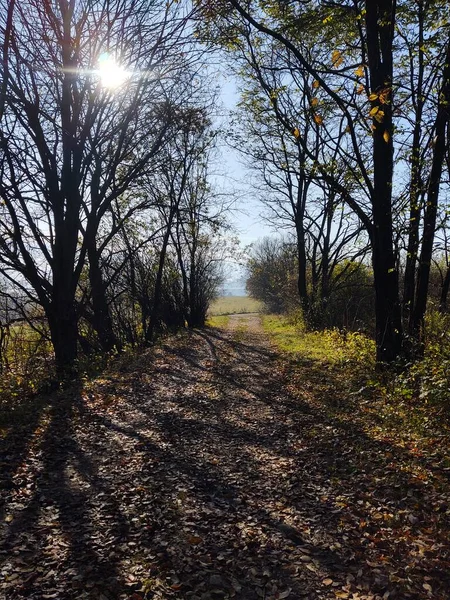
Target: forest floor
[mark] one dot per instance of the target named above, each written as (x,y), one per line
(214,467)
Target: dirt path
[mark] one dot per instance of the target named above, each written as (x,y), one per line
(195,472)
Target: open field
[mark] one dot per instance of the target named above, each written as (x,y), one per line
(229,305)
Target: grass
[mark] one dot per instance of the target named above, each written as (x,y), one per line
(412,403)
(220,321)
(328,346)
(27,364)
(230,305)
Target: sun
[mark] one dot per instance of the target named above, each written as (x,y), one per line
(111,74)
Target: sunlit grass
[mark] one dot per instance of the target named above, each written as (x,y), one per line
(229,305)
(338,371)
(220,321)
(329,346)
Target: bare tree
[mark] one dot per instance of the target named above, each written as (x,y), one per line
(349,52)
(89,101)
(200,233)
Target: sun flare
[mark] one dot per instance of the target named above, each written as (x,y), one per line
(111,74)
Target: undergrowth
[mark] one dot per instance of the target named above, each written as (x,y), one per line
(412,403)
(330,346)
(26,365)
(28,375)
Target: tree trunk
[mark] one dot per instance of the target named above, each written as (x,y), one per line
(302,264)
(415,190)
(299,212)
(63,323)
(380,21)
(197,314)
(176,239)
(101,321)
(61,311)
(444,291)
(154,316)
(389,333)
(429,225)
(325,259)
(197,308)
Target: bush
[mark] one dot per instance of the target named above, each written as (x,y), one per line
(272,275)
(27,363)
(433,372)
(350,304)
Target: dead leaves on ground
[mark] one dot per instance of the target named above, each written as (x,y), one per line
(214,470)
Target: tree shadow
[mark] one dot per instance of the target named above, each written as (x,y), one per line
(50,537)
(322,482)
(214,477)
(18,426)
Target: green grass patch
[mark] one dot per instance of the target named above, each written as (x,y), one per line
(230,305)
(411,404)
(330,346)
(220,321)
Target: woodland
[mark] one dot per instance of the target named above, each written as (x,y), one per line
(157,441)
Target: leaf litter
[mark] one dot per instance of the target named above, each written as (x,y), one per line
(212,467)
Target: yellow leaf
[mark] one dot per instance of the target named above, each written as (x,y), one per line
(386,136)
(374,110)
(296,132)
(360,89)
(314,102)
(373,97)
(318,119)
(336,58)
(384,96)
(327,581)
(315,84)
(379,116)
(360,71)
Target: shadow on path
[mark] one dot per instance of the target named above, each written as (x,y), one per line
(203,473)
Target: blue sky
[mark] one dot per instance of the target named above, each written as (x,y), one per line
(234,177)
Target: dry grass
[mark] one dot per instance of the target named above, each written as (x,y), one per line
(229,305)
